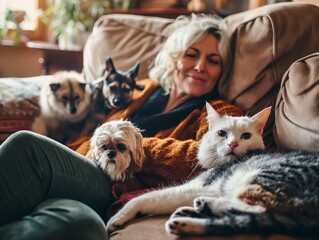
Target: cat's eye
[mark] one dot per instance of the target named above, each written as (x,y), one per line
(121,147)
(245,135)
(105,147)
(222,133)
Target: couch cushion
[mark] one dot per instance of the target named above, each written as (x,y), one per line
(297,107)
(127,39)
(149,228)
(265,42)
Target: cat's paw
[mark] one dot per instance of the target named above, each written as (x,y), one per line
(127,213)
(218,206)
(201,205)
(184,212)
(185,225)
(114,223)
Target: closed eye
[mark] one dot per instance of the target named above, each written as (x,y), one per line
(245,135)
(191,55)
(213,60)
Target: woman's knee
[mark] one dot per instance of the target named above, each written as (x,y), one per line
(21,138)
(62,219)
(69,219)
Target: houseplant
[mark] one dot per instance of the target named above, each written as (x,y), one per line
(70,21)
(12,21)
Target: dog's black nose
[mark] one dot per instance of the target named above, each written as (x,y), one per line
(73,110)
(117,102)
(111,154)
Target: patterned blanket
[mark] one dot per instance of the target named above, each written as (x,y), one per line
(18,103)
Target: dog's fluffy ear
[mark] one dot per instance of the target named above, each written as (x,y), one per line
(89,154)
(139,154)
(93,151)
(137,150)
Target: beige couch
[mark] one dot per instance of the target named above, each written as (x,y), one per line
(275,63)
(265,42)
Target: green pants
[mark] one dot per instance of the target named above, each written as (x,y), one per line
(49,191)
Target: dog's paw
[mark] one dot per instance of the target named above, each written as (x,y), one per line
(185,225)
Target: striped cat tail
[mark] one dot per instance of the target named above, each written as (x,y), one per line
(235,222)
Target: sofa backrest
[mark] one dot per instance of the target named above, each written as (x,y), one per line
(264,42)
(127,39)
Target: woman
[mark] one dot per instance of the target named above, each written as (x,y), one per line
(44,183)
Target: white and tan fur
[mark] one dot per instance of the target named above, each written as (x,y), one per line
(116,147)
(65,103)
(214,150)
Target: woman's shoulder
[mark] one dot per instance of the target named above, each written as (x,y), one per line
(148,83)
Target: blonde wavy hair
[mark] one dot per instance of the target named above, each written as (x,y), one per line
(188,30)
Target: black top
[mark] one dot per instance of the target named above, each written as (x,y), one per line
(151,119)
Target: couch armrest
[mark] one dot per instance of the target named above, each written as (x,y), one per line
(297,107)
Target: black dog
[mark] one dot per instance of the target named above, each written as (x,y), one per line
(115,88)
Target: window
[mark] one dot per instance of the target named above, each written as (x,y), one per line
(31,26)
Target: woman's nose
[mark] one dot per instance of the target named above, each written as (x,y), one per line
(200,65)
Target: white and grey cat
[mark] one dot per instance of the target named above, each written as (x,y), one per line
(240,193)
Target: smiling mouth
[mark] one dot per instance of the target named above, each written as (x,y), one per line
(197,78)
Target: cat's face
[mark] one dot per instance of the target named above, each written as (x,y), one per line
(230,137)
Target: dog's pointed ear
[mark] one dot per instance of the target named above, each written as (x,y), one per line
(109,66)
(55,86)
(134,71)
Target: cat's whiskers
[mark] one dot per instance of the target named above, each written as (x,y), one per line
(194,166)
(214,159)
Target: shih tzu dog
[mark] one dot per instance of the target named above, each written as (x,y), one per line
(116,147)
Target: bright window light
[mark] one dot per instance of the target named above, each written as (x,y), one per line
(29,6)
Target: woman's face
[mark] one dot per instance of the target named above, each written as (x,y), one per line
(199,69)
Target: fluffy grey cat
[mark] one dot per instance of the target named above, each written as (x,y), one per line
(240,192)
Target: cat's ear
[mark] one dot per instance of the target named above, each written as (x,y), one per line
(212,115)
(261,118)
